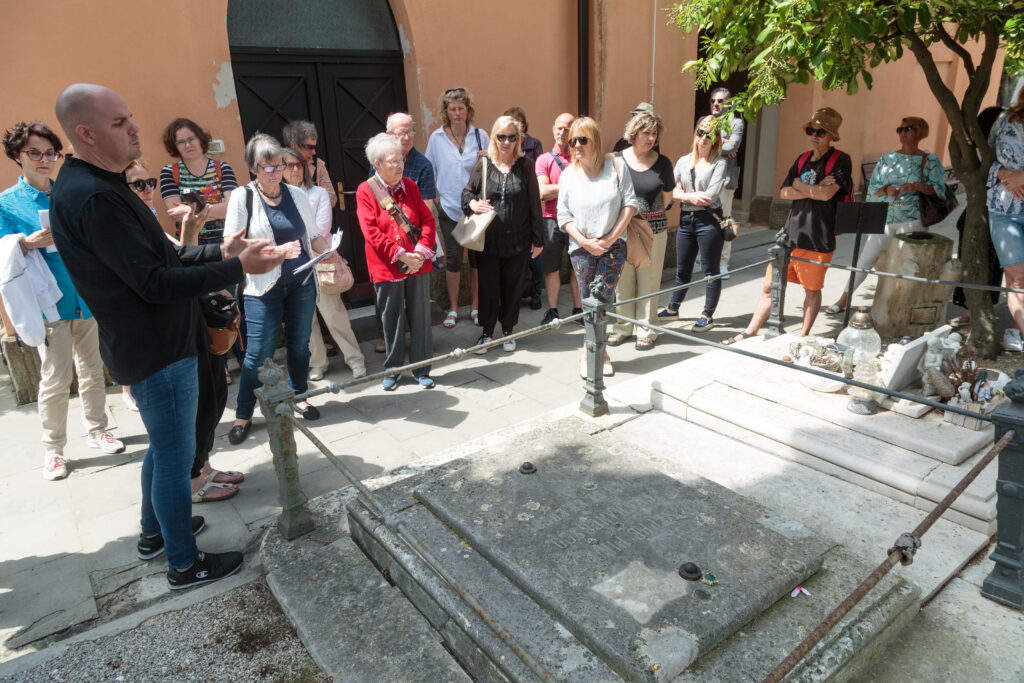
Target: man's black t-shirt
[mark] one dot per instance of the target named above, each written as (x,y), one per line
(811,223)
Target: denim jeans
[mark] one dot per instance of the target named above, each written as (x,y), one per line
(167,402)
(293,305)
(698,232)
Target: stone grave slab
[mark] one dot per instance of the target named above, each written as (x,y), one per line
(597,536)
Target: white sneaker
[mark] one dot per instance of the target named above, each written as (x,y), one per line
(106,442)
(317,374)
(1012,340)
(54,467)
(509,346)
(358,371)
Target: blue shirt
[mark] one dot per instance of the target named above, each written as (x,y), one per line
(419,170)
(286,222)
(20,205)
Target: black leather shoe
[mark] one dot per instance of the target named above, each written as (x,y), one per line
(238,433)
(309,413)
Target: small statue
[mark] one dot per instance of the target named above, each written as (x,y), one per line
(932,360)
(599,290)
(983,391)
(965,393)
(951,347)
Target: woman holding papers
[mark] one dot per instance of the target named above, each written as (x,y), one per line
(269,208)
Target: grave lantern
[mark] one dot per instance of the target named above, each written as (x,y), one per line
(862,344)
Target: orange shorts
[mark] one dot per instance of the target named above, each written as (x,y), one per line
(808,275)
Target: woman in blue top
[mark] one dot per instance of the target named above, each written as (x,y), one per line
(899,179)
(1006,210)
(282,213)
(72,341)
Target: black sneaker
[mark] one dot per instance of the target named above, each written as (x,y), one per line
(207,568)
(484,339)
(152,547)
(535,303)
(580,321)
(550,316)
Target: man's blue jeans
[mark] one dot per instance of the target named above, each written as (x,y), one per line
(293,305)
(167,402)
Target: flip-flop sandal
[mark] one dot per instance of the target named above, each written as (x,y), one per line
(643,345)
(380,346)
(451,319)
(229,477)
(475,315)
(614,340)
(832,309)
(738,338)
(202,495)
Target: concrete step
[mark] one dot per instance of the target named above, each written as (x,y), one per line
(914,461)
(356,625)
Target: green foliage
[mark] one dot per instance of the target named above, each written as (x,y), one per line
(835,42)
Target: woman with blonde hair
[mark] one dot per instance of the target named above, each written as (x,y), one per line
(453,150)
(651,174)
(595,203)
(514,236)
(700,177)
(898,179)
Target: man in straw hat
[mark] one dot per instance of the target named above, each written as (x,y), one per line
(819,179)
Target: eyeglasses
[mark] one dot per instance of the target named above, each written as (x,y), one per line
(909,129)
(186,142)
(402,134)
(454,91)
(293,166)
(309,148)
(507,138)
(394,161)
(270,170)
(581,141)
(141,184)
(704,134)
(36,155)
(816,132)
(717,100)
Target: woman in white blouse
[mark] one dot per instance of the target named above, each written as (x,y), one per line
(331,307)
(595,203)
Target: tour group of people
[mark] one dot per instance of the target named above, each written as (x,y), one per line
(109,287)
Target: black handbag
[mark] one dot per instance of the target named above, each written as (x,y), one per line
(934,209)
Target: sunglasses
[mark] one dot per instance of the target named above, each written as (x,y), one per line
(507,138)
(141,185)
(718,100)
(454,91)
(581,141)
(36,155)
(909,129)
(816,132)
(309,148)
(704,134)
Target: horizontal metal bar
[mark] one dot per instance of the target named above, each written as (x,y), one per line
(811,371)
(912,278)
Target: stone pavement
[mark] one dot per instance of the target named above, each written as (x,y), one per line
(67,548)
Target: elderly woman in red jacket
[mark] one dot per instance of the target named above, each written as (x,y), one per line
(399,231)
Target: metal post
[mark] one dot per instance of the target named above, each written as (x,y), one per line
(774,325)
(1006,582)
(275,400)
(595,324)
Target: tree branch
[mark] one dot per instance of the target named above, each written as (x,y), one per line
(956,47)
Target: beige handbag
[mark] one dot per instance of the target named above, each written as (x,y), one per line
(639,235)
(471,231)
(335,277)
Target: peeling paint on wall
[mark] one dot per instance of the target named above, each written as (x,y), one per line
(224,86)
(403,40)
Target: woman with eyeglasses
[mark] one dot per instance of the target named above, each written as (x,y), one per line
(596,201)
(72,336)
(302,137)
(453,150)
(331,307)
(898,179)
(651,173)
(516,233)
(271,209)
(211,179)
(700,177)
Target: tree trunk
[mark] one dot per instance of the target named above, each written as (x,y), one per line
(983,338)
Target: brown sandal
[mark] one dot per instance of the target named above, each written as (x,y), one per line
(738,338)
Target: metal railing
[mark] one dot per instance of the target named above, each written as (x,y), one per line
(1005,584)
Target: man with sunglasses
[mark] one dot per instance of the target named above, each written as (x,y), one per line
(818,180)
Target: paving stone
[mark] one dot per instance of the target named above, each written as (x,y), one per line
(44,600)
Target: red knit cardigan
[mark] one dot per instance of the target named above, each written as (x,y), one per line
(383,236)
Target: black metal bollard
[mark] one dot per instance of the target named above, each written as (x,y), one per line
(1006,582)
(275,401)
(595,324)
(780,252)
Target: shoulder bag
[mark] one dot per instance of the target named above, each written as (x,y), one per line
(726,225)
(385,201)
(639,235)
(471,231)
(933,209)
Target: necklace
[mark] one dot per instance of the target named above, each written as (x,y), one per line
(460,143)
(280,191)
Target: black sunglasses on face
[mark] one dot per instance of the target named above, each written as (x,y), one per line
(704,134)
(507,138)
(909,129)
(816,132)
(141,185)
(581,141)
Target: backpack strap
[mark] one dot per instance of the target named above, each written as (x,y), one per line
(832,159)
(176,173)
(476,134)
(802,161)
(388,204)
(248,208)
(561,166)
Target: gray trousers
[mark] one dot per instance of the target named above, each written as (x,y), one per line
(411,296)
